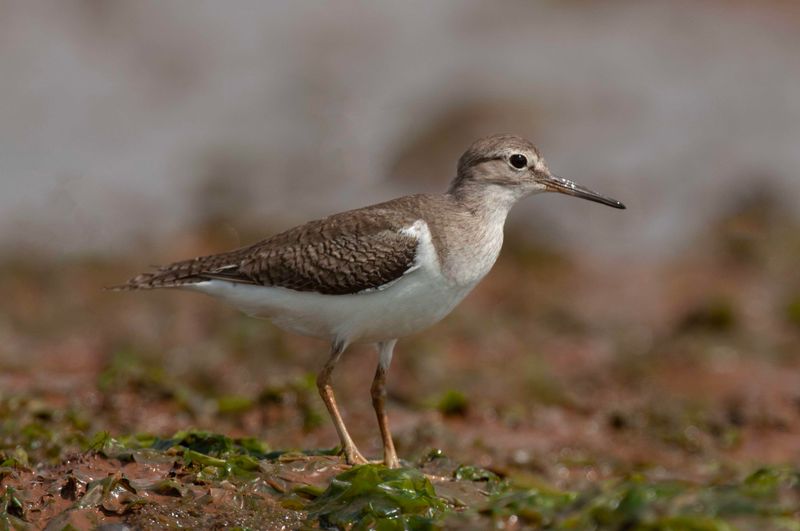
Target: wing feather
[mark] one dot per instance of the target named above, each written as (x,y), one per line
(355,251)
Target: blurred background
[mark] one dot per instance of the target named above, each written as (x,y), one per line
(138,119)
(666,335)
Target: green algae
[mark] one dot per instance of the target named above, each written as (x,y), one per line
(767,498)
(11,509)
(32,432)
(541,508)
(376,497)
(453,403)
(213,444)
(234,404)
(492,482)
(243,477)
(212,456)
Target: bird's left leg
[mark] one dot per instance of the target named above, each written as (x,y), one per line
(385,349)
(352,455)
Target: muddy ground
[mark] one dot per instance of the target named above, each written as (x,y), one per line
(566,392)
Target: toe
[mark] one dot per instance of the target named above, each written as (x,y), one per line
(354,457)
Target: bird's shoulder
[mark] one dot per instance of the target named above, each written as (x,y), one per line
(369,224)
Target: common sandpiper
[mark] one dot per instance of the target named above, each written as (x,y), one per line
(378,273)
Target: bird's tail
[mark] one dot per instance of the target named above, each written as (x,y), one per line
(188,272)
(168,276)
(155,280)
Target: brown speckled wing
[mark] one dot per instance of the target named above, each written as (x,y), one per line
(345,253)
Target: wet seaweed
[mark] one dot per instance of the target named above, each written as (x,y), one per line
(376,497)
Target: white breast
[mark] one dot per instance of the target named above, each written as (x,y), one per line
(471,253)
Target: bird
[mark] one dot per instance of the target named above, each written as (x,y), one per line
(381,272)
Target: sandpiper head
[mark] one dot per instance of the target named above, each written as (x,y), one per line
(513,165)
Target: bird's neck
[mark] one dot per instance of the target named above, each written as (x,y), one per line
(488,203)
(471,240)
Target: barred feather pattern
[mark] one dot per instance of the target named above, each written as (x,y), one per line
(345,253)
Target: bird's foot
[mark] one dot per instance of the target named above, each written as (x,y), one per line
(391,461)
(353,457)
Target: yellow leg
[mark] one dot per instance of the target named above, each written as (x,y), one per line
(379,402)
(351,453)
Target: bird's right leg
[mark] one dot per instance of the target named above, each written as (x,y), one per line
(351,453)
(385,349)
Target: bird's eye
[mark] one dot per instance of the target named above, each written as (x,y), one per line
(518,161)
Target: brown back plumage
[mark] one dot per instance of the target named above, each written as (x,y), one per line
(344,253)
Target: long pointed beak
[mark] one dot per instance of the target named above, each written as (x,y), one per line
(555,183)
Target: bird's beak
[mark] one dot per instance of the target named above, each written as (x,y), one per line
(554,183)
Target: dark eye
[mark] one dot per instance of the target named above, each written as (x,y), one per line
(518,161)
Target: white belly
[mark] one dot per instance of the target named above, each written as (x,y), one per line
(414,302)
